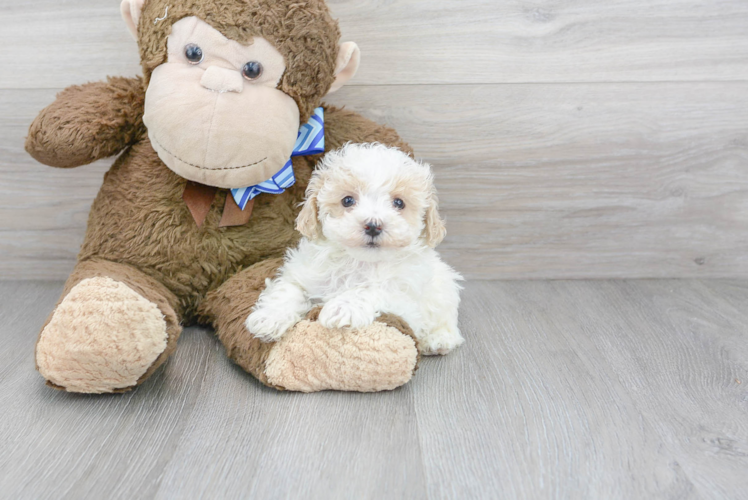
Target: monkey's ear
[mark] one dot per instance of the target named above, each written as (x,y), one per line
(131,10)
(349,57)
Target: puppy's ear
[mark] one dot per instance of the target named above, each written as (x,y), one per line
(434,230)
(307,223)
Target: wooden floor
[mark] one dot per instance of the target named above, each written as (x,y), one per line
(570,139)
(565,389)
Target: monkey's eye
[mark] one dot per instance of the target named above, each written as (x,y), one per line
(252,70)
(193,53)
(398,203)
(349,201)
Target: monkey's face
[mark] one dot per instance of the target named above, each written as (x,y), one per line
(214,112)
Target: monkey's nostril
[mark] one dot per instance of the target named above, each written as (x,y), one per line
(372,229)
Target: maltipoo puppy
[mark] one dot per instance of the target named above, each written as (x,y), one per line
(369,224)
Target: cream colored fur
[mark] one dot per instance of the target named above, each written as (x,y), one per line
(354,275)
(103,336)
(291,364)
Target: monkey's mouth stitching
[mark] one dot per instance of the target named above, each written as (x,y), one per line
(205,168)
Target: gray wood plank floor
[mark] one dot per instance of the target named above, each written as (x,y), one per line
(565,389)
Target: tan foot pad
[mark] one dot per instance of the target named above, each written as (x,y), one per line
(102,337)
(311,358)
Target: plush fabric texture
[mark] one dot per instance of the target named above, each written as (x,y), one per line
(111,353)
(143,255)
(142,285)
(354,360)
(297,28)
(349,58)
(139,218)
(88,122)
(220,52)
(199,133)
(141,233)
(227,308)
(206,150)
(309,358)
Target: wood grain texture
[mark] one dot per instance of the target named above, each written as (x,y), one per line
(52,44)
(487,41)
(43,210)
(571,138)
(589,180)
(541,181)
(564,389)
(688,369)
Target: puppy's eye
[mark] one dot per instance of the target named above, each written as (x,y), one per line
(193,53)
(398,203)
(252,70)
(348,201)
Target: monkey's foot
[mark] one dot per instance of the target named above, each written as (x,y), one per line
(103,337)
(310,357)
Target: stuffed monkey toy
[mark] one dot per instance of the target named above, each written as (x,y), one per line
(200,205)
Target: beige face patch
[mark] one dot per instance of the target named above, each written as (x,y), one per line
(373,203)
(208,121)
(414,197)
(334,189)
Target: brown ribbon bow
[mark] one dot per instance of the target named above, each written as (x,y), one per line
(199,198)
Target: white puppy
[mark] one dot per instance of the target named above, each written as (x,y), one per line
(370,224)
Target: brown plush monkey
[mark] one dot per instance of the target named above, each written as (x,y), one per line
(226,85)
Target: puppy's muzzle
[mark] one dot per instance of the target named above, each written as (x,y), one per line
(373,229)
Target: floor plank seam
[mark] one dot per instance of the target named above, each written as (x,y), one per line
(424,475)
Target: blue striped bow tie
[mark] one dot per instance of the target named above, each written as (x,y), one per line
(311,141)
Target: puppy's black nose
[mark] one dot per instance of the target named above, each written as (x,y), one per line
(372,229)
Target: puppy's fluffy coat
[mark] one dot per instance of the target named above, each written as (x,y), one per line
(370,224)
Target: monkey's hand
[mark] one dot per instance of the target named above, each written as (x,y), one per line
(88,122)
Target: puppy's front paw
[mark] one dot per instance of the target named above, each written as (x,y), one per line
(341,313)
(269,325)
(440,342)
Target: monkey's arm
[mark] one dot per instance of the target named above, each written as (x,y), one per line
(88,122)
(343,126)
